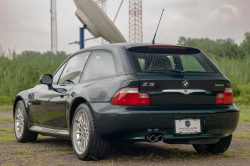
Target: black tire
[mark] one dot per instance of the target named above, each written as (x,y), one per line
(219,147)
(26,135)
(201,148)
(97,148)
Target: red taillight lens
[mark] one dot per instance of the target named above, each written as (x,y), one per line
(167,47)
(130,96)
(226,97)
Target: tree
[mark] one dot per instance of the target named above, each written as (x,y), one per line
(219,47)
(245,45)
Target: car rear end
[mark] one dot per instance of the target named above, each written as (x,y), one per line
(181,97)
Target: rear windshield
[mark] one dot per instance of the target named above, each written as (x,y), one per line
(164,62)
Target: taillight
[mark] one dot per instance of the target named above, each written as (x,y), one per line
(168,47)
(130,96)
(226,97)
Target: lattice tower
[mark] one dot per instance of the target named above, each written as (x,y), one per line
(53,27)
(135,21)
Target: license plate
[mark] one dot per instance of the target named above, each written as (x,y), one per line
(187,126)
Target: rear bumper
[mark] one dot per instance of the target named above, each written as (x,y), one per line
(135,122)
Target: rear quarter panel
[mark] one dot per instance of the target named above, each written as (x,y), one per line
(100,91)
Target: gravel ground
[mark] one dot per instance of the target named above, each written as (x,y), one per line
(52,151)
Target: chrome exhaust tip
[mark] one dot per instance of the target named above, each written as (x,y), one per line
(151,138)
(159,138)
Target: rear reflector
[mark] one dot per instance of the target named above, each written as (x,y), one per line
(226,97)
(130,96)
(168,47)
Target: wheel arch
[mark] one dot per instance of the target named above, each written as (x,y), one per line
(18,98)
(73,107)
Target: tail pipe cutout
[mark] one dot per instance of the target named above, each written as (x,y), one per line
(154,137)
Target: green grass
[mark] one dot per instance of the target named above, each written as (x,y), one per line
(6,120)
(62,149)
(22,151)
(7,129)
(42,149)
(21,72)
(242,135)
(244,115)
(242,152)
(7,136)
(6,107)
(244,112)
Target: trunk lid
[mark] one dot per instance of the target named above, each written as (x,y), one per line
(177,75)
(166,89)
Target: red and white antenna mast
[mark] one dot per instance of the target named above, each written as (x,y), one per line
(53,27)
(135,21)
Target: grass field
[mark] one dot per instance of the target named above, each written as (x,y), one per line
(244,112)
(23,72)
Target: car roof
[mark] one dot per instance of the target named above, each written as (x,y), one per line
(120,50)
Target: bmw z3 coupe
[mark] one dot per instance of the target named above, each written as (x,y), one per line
(130,92)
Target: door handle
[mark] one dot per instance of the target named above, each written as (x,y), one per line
(63,93)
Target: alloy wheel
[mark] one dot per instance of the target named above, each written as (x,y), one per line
(19,121)
(81,131)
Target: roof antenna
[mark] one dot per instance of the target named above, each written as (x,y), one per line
(153,42)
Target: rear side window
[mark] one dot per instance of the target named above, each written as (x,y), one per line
(164,60)
(73,70)
(100,65)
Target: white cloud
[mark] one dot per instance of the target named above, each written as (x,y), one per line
(226,12)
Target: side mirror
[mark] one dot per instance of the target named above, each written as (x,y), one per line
(47,79)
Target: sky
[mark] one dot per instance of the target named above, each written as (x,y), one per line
(25,24)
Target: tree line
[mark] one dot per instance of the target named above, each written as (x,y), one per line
(220,47)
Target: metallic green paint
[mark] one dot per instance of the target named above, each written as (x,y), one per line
(129,122)
(133,122)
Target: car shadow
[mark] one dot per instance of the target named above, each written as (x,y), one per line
(125,151)
(154,151)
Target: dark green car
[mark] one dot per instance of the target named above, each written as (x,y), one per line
(130,92)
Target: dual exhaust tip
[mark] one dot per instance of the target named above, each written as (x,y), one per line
(154,137)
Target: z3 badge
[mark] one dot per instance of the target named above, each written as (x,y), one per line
(148,84)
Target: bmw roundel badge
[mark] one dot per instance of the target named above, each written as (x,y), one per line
(187,123)
(185,84)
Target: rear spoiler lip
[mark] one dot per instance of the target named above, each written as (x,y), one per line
(166,45)
(169,48)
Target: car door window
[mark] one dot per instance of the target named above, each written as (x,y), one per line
(57,74)
(101,65)
(73,70)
